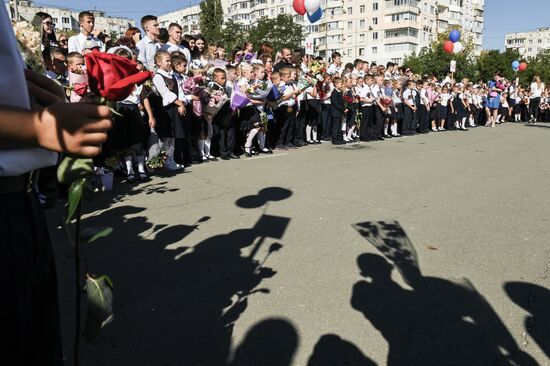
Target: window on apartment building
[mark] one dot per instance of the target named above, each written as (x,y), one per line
(374,50)
(361,52)
(261,12)
(362,23)
(65,20)
(350,52)
(374,6)
(362,9)
(244,5)
(375,35)
(530,41)
(282,10)
(362,37)
(529,49)
(349,11)
(55,20)
(350,25)
(401,32)
(540,41)
(374,21)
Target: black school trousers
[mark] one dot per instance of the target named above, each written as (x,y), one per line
(29,311)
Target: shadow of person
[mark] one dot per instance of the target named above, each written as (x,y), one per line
(438,322)
(331,350)
(536,300)
(271,342)
(177,305)
(263,197)
(220,279)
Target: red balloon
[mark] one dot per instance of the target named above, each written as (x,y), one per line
(523,66)
(299,7)
(448,46)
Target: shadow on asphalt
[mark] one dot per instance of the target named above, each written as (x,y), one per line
(535,300)
(177,305)
(437,321)
(537,125)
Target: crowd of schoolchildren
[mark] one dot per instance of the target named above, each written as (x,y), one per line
(205,103)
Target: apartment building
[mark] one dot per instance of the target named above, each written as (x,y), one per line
(529,44)
(66,19)
(188,18)
(374,30)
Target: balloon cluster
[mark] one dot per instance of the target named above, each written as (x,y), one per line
(517,66)
(453,45)
(311,7)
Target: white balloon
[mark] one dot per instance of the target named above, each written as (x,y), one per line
(312,5)
(458,47)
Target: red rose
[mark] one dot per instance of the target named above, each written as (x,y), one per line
(80,88)
(348,98)
(112,76)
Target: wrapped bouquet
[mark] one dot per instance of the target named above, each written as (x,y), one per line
(195,86)
(30,47)
(216,100)
(317,68)
(259,90)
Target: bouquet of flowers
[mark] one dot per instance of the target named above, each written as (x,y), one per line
(259,90)
(30,47)
(264,120)
(317,68)
(385,101)
(305,82)
(323,89)
(216,100)
(195,86)
(157,162)
(238,98)
(348,101)
(276,93)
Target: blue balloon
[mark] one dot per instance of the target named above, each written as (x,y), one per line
(454,36)
(515,65)
(315,16)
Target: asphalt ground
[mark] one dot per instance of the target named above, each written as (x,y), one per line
(424,250)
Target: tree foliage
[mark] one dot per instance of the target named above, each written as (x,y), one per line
(232,35)
(434,60)
(211,20)
(279,32)
(539,65)
(493,61)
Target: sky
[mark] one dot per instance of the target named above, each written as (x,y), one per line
(501,16)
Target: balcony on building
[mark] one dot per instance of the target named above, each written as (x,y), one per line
(403,24)
(443,4)
(442,25)
(400,4)
(332,4)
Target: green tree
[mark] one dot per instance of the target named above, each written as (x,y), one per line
(539,65)
(211,20)
(232,35)
(492,61)
(434,60)
(279,32)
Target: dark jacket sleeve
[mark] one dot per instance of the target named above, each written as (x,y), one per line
(337,102)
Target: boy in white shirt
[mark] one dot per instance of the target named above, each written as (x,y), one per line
(86,21)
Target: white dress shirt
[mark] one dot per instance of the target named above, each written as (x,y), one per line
(76,43)
(367,95)
(147,49)
(20,161)
(168,97)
